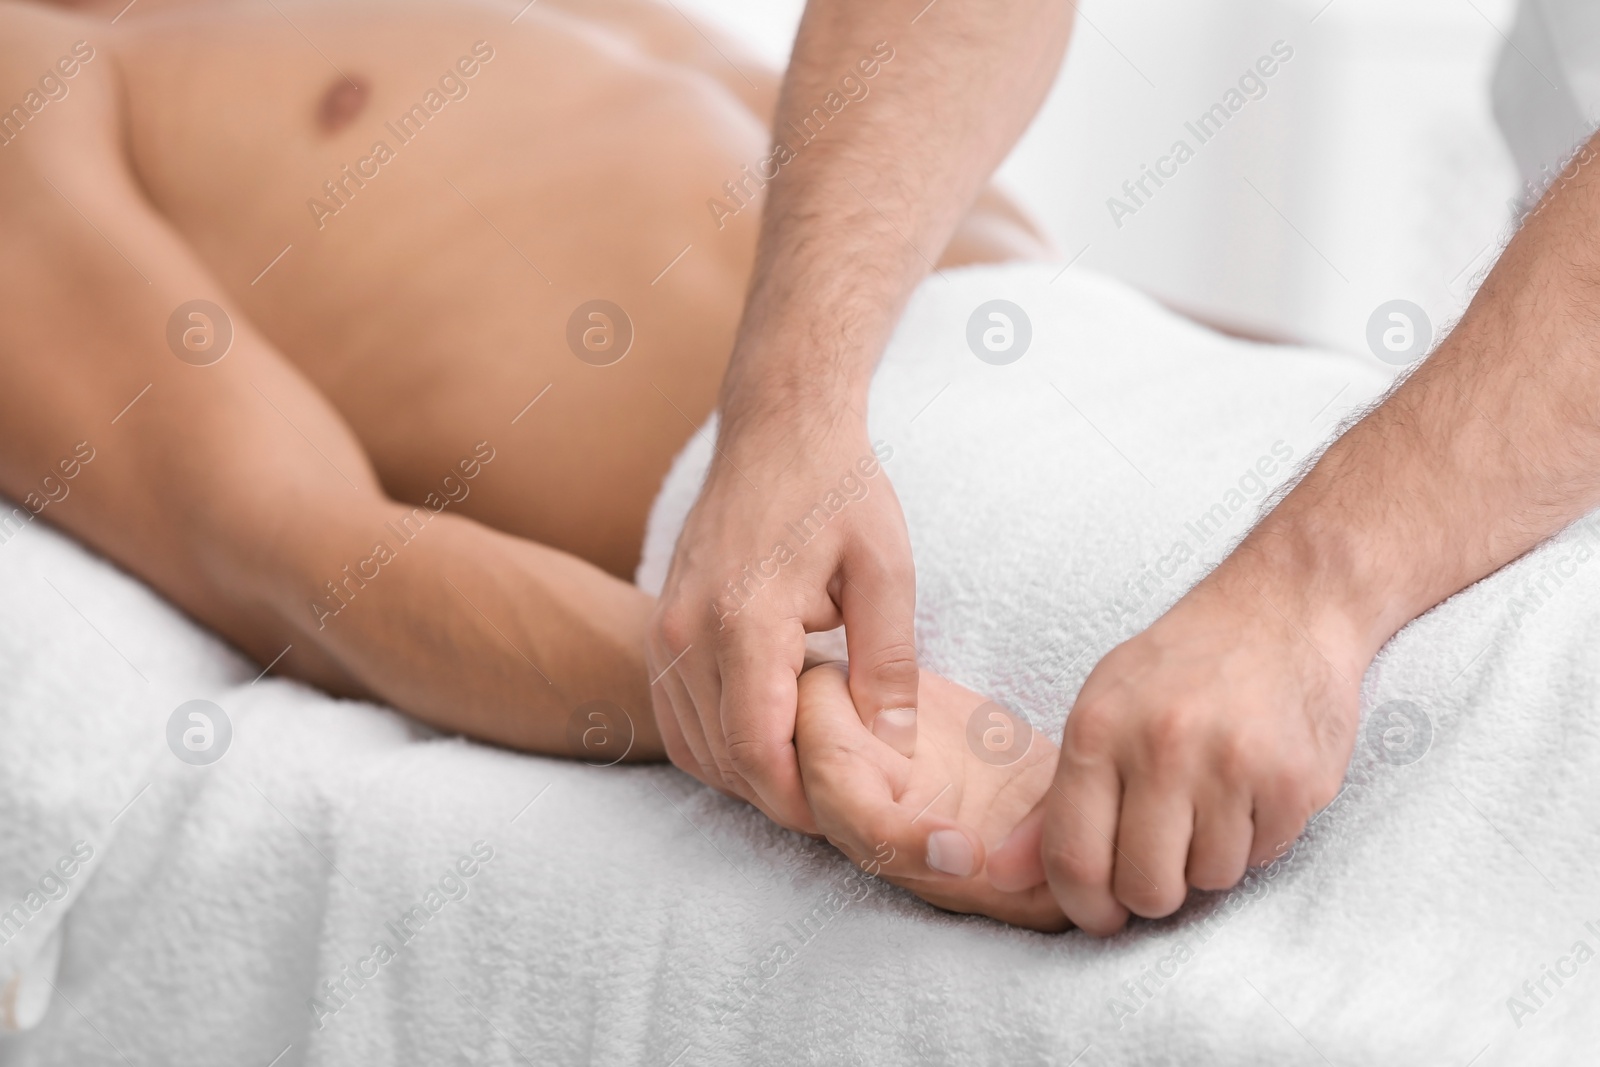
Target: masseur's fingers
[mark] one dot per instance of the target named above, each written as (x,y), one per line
(756,717)
(670,690)
(1079,830)
(1223,832)
(878,599)
(1280,817)
(678,750)
(1154,828)
(698,681)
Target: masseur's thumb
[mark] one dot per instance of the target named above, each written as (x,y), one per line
(879,608)
(1017,864)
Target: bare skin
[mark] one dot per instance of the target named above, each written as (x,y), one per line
(1206,742)
(882,807)
(412,344)
(892,187)
(385,354)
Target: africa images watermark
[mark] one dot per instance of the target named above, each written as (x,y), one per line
(454,885)
(1398,733)
(52,87)
(1536,993)
(341,189)
(452,490)
(1572,550)
(1252,86)
(52,489)
(1537,195)
(1136,993)
(53,885)
(741,192)
(857,887)
(753,577)
(1251,487)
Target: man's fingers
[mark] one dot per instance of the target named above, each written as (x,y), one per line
(852,783)
(891,838)
(697,674)
(1153,834)
(1223,832)
(686,720)
(1279,821)
(1016,863)
(878,599)
(1079,830)
(756,717)
(678,750)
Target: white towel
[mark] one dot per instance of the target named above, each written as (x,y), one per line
(258,907)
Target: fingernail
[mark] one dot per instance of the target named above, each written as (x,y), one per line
(897,728)
(950,852)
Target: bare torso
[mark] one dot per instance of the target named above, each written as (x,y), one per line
(411,200)
(430,302)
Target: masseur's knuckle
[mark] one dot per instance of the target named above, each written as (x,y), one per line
(893,664)
(1072,864)
(766,695)
(750,756)
(1168,738)
(1239,757)
(1091,730)
(675,628)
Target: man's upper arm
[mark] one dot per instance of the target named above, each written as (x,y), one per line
(213,482)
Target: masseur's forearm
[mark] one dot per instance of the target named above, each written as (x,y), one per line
(857,215)
(473,630)
(1490,447)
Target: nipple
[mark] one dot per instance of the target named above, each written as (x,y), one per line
(341,103)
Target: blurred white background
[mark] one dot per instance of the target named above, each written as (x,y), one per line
(1371,170)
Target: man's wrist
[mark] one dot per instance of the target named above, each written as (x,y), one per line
(806,351)
(788,401)
(1320,578)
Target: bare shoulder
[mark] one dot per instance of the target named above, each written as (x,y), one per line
(57,88)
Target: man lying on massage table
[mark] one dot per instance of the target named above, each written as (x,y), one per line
(395,312)
(295,271)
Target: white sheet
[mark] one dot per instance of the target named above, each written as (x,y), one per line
(631,916)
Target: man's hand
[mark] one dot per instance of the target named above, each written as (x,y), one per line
(1205,742)
(854,218)
(925,822)
(783,541)
(1195,749)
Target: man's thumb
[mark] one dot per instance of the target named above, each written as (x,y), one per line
(878,622)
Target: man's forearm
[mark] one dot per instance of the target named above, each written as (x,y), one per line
(1490,447)
(867,195)
(475,631)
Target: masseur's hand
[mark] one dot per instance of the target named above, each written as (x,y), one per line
(1200,746)
(925,822)
(797,529)
(852,221)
